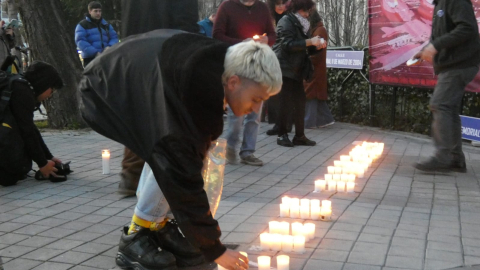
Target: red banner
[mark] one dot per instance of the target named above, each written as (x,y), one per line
(398,30)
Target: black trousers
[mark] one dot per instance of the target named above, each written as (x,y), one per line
(11,175)
(292,96)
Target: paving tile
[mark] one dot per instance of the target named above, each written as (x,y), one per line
(72,257)
(64,244)
(404,262)
(102,262)
(368,258)
(21,264)
(43,254)
(330,255)
(53,266)
(15,251)
(322,265)
(352,266)
(37,241)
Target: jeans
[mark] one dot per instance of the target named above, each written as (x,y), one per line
(445,106)
(292,96)
(317,113)
(152,204)
(252,124)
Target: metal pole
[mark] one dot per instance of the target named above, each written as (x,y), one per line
(394,105)
(371,97)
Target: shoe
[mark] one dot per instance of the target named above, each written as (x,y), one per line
(475,143)
(139,251)
(273,131)
(460,167)
(432,165)
(231,156)
(326,125)
(303,141)
(171,239)
(284,141)
(252,160)
(127,187)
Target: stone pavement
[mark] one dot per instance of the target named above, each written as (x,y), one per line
(398,218)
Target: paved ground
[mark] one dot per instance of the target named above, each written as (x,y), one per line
(398,218)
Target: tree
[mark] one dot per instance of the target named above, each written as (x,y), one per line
(49,41)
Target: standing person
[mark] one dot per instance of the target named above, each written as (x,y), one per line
(317,113)
(206,25)
(454,49)
(7,43)
(94,35)
(290,48)
(236,21)
(171,91)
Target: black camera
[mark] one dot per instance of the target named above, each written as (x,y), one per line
(63,168)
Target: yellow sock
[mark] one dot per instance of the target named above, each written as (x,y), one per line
(138,223)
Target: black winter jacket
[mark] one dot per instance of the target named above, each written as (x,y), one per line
(455,35)
(291,48)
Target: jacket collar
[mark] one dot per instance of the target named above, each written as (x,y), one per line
(295,21)
(240,3)
(88,18)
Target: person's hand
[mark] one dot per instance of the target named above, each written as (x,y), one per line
(262,39)
(49,169)
(323,44)
(315,41)
(232,260)
(56,160)
(427,53)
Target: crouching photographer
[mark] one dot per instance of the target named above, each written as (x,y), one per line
(20,140)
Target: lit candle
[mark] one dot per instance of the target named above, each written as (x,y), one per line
(295,201)
(315,212)
(328,177)
(286,200)
(274,227)
(331,169)
(315,202)
(297,228)
(299,243)
(344,158)
(304,202)
(276,242)
(336,177)
(284,210)
(346,169)
(106,161)
(340,186)
(350,187)
(351,178)
(320,185)
(338,170)
(265,241)
(283,262)
(309,230)
(263,263)
(284,228)
(337,163)
(344,177)
(294,211)
(256,37)
(326,213)
(287,243)
(332,185)
(305,211)
(327,203)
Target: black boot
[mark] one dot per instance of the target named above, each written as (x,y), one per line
(284,141)
(140,251)
(303,141)
(273,131)
(170,238)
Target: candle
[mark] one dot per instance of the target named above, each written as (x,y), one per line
(284,210)
(336,177)
(315,202)
(299,243)
(338,170)
(326,213)
(337,163)
(350,187)
(344,177)
(332,185)
(283,262)
(263,263)
(297,228)
(106,161)
(276,242)
(320,185)
(304,202)
(328,177)
(287,243)
(305,211)
(315,212)
(284,228)
(265,241)
(344,158)
(327,203)
(274,227)
(244,253)
(294,211)
(351,178)
(331,169)
(294,201)
(286,200)
(309,230)
(346,170)
(340,186)
(256,37)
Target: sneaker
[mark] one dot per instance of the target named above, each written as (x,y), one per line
(231,156)
(127,187)
(460,167)
(284,141)
(303,141)
(432,165)
(326,125)
(171,239)
(140,251)
(252,160)
(475,143)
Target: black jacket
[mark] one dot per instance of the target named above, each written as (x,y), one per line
(22,105)
(291,48)
(160,94)
(455,35)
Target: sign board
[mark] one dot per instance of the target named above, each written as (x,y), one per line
(345,59)
(398,29)
(470,128)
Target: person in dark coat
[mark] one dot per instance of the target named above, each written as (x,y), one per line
(170,91)
(317,113)
(290,48)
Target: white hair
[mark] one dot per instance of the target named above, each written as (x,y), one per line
(254,61)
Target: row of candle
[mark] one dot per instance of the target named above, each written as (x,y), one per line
(305,209)
(339,186)
(340,177)
(286,243)
(283,228)
(352,168)
(283,262)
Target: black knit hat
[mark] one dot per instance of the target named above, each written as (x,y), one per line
(42,76)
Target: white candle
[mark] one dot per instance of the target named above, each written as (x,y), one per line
(320,185)
(326,213)
(340,186)
(276,242)
(106,161)
(346,170)
(336,177)
(315,202)
(332,185)
(331,169)
(284,210)
(351,178)
(295,201)
(327,203)
(287,243)
(328,177)
(315,212)
(221,267)
(283,262)
(350,187)
(344,158)
(286,200)
(263,263)
(309,230)
(337,163)
(299,244)
(284,228)
(297,228)
(304,202)
(338,170)
(265,241)
(274,227)
(344,177)
(305,211)
(294,211)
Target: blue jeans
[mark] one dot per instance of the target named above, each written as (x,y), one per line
(251,126)
(317,113)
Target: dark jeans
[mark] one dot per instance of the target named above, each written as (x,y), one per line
(291,96)
(445,106)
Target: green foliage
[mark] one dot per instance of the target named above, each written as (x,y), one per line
(41,124)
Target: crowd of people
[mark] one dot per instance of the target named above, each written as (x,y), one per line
(172,89)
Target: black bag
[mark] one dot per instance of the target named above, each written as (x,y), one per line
(13,162)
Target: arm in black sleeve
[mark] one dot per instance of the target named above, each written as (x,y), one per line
(45,149)
(177,164)
(22,104)
(287,33)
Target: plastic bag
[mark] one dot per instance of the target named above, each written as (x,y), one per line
(213,173)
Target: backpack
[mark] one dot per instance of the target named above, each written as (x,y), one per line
(13,165)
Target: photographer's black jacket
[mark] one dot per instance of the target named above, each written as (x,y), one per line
(455,35)
(22,105)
